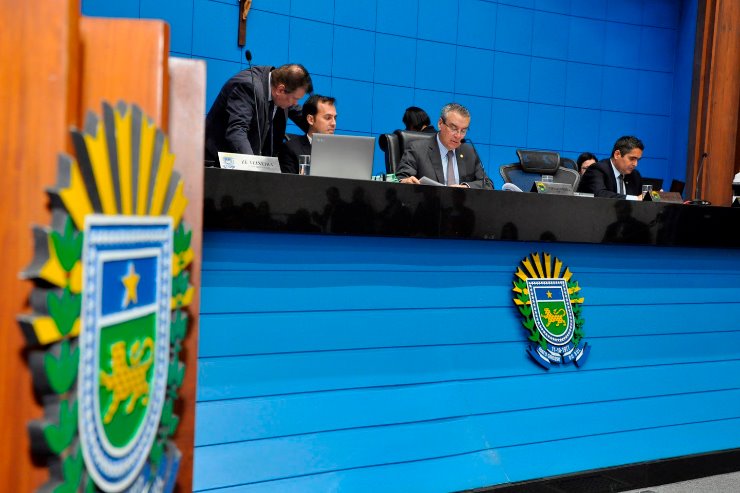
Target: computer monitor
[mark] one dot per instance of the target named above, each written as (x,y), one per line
(657,183)
(677,186)
(342,156)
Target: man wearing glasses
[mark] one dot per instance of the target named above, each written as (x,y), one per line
(444,158)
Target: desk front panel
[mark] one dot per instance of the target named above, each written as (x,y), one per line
(359,363)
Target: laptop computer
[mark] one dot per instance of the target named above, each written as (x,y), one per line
(342,156)
(677,186)
(657,183)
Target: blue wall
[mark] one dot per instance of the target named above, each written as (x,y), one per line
(564,75)
(379,364)
(682,89)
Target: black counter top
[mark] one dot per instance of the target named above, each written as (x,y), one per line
(250,201)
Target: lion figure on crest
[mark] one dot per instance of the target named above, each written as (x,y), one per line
(127,379)
(554,316)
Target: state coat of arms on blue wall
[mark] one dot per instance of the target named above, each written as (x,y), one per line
(550,302)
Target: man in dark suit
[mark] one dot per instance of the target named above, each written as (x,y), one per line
(616,177)
(250,113)
(443,157)
(321,115)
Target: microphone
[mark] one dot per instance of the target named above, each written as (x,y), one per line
(486,179)
(248,56)
(698,200)
(511,187)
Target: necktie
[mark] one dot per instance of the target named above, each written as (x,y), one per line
(451,168)
(621,184)
(270,119)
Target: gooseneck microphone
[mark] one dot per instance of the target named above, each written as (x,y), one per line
(697,200)
(486,179)
(248,56)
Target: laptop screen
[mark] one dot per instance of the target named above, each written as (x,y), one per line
(657,183)
(342,156)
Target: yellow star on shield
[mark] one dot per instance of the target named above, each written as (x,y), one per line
(549,294)
(130,282)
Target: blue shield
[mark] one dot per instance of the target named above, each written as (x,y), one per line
(124,343)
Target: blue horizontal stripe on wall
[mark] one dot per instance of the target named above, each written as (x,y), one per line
(240,420)
(507,51)
(466,471)
(331,363)
(260,375)
(239,334)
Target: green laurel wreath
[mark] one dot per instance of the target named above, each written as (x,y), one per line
(525,308)
(56,434)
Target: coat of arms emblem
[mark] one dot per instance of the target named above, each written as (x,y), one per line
(108,323)
(550,302)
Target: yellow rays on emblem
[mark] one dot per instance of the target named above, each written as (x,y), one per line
(547,267)
(122,166)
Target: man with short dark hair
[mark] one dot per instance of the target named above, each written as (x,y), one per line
(250,113)
(443,157)
(616,177)
(321,115)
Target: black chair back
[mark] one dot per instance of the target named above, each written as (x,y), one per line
(389,145)
(533,164)
(393,145)
(568,163)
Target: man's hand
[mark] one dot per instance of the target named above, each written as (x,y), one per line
(411,179)
(461,185)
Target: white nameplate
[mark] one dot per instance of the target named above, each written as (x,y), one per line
(248,162)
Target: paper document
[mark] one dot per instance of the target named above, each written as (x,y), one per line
(428,181)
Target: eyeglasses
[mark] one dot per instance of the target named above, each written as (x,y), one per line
(455,130)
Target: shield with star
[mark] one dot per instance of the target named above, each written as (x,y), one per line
(551,307)
(124,342)
(550,302)
(111,287)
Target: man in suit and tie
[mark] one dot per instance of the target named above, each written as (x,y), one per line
(443,157)
(616,177)
(250,113)
(321,115)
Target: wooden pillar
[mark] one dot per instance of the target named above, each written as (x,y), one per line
(39,88)
(187,136)
(126,59)
(715,101)
(57,67)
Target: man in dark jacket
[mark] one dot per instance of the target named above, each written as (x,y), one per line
(321,115)
(443,157)
(616,177)
(250,113)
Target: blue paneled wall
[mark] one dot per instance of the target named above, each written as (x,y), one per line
(399,365)
(564,75)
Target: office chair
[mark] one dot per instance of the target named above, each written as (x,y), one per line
(532,165)
(389,145)
(394,144)
(568,163)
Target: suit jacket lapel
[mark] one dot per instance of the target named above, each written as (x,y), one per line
(436,159)
(612,178)
(461,164)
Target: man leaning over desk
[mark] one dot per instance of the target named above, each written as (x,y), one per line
(250,113)
(443,157)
